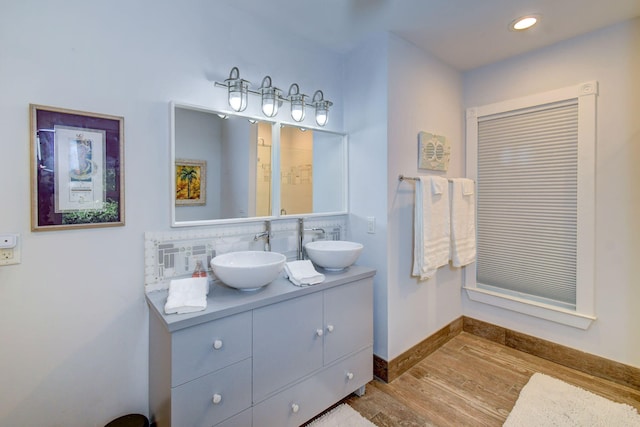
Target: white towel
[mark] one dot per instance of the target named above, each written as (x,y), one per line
(432,226)
(187,295)
(463,222)
(302,273)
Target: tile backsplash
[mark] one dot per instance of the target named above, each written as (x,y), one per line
(174,254)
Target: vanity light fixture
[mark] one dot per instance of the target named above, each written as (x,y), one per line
(272,99)
(524,22)
(238,90)
(322,108)
(297,102)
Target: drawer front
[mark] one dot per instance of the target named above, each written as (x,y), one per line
(202,349)
(350,374)
(230,388)
(243,419)
(296,405)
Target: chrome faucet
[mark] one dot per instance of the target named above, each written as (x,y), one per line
(266,234)
(301,231)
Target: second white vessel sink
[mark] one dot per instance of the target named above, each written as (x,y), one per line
(248,270)
(333,254)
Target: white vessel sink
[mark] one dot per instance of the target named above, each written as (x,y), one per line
(333,254)
(248,270)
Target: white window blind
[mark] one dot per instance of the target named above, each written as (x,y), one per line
(527,180)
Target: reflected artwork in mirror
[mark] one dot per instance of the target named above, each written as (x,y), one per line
(245,177)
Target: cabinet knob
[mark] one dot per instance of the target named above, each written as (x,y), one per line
(216,398)
(217,344)
(319,332)
(349,375)
(295,408)
(329,328)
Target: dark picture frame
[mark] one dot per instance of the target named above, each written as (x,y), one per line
(77,169)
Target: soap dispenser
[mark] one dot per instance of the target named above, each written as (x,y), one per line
(199,271)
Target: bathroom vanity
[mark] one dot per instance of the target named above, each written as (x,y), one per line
(273,357)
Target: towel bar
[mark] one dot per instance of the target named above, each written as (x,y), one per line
(413,178)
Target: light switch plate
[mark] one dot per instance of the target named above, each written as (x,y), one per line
(371,224)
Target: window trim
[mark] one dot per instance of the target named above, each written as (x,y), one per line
(584,314)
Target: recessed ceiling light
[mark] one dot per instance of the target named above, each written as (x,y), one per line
(524,22)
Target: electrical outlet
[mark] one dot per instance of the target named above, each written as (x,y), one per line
(9,249)
(6,254)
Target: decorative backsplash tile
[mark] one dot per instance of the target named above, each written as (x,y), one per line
(174,254)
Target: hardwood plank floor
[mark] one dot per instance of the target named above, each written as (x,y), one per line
(469,381)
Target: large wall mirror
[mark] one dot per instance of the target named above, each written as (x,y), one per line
(228,168)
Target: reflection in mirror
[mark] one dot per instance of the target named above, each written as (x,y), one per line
(312,171)
(240,159)
(237,159)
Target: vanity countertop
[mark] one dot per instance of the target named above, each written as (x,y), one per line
(224,301)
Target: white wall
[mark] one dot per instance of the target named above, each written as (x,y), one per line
(365,100)
(612,57)
(395,90)
(73,324)
(424,95)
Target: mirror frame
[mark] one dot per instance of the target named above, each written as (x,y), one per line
(275,169)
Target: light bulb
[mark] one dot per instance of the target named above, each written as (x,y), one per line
(321,115)
(238,96)
(297,111)
(269,105)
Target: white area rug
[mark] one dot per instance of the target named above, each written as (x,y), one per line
(342,416)
(547,401)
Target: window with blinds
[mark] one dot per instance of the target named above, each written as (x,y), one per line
(527,174)
(534,162)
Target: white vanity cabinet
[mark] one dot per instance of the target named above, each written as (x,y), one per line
(311,351)
(274,357)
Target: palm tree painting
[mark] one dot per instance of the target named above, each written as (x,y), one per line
(190,182)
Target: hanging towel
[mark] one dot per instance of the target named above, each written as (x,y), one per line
(187,295)
(302,273)
(432,228)
(463,222)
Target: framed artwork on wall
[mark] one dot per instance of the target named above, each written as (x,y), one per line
(77,169)
(191,181)
(434,152)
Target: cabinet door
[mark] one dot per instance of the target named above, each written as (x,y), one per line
(348,319)
(287,343)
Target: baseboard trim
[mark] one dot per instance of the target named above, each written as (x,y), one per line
(389,371)
(566,356)
(585,362)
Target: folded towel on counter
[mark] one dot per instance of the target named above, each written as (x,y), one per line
(302,273)
(463,222)
(432,226)
(187,295)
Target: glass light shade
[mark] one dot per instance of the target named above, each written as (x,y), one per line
(322,108)
(322,114)
(238,93)
(297,108)
(270,102)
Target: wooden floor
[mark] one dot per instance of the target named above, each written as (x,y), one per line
(469,381)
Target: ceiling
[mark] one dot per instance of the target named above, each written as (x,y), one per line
(462,33)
